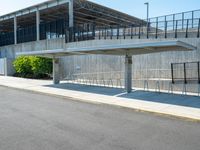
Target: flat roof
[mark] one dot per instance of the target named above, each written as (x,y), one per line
(120,49)
(84,10)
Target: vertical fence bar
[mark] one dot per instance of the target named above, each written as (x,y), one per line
(186,34)
(117,32)
(111,34)
(147,29)
(139,32)
(185,78)
(99,33)
(131,31)
(198,32)
(105,33)
(124,32)
(165,29)
(198,72)
(192,19)
(183,21)
(173,22)
(172,72)
(176,29)
(156,27)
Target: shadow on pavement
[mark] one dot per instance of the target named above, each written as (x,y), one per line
(165,98)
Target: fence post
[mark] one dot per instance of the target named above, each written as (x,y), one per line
(172,72)
(183,21)
(198,72)
(139,32)
(198,29)
(131,31)
(156,27)
(111,34)
(165,29)
(176,29)
(118,32)
(185,78)
(186,34)
(173,21)
(147,30)
(124,32)
(192,19)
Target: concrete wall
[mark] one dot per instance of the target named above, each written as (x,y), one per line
(154,66)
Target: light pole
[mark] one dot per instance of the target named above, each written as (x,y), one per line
(147,3)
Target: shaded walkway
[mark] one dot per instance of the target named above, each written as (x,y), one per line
(165,98)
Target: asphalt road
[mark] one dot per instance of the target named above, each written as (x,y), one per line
(31,121)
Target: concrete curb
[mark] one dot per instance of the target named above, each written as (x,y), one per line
(191,119)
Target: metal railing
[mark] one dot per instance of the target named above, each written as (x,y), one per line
(187,28)
(188,72)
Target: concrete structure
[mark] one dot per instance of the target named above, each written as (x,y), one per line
(73,27)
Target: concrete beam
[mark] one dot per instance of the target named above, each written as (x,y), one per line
(15,30)
(38,24)
(128,73)
(56,70)
(71,13)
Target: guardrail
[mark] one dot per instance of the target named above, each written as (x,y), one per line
(159,29)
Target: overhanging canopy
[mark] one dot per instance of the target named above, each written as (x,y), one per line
(117,49)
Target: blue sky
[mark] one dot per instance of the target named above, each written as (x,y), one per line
(132,7)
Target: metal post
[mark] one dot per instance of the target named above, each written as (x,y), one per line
(176,29)
(15,29)
(147,3)
(71,13)
(128,73)
(132,32)
(156,27)
(186,34)
(192,19)
(198,72)
(185,78)
(38,24)
(198,32)
(172,72)
(183,21)
(56,71)
(173,21)
(117,32)
(165,29)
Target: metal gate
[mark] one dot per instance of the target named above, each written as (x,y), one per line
(2,66)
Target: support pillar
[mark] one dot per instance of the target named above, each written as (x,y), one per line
(15,30)
(56,71)
(71,13)
(128,73)
(38,24)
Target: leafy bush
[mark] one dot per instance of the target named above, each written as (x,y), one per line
(33,67)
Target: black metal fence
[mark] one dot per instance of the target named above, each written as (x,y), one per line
(160,29)
(181,25)
(188,72)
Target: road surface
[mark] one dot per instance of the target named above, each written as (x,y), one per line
(30,121)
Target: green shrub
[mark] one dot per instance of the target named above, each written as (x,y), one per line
(22,66)
(33,67)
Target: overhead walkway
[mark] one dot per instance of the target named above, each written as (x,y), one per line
(127,50)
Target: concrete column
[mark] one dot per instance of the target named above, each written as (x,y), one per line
(56,71)
(128,73)
(38,24)
(71,13)
(15,30)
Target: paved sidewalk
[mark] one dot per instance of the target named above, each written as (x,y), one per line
(187,107)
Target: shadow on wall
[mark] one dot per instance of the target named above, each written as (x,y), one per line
(180,100)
